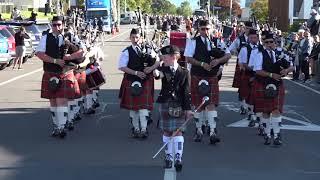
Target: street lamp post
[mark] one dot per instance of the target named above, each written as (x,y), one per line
(230,11)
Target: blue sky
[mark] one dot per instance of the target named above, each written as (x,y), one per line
(194,4)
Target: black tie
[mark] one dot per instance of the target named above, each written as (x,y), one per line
(173,70)
(138,50)
(206,43)
(271,55)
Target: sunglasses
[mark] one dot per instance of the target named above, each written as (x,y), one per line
(269,42)
(56,24)
(203,29)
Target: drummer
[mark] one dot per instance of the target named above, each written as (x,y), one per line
(175,90)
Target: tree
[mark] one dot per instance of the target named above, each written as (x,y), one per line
(163,7)
(260,9)
(184,9)
(225,5)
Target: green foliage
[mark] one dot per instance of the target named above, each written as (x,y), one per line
(260,9)
(184,9)
(163,7)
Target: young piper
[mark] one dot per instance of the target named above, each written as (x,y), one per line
(174,103)
(137,88)
(269,88)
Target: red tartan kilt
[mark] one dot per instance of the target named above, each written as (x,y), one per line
(196,98)
(236,77)
(264,105)
(81,78)
(144,101)
(244,88)
(69,88)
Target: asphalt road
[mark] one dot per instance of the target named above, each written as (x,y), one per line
(100,146)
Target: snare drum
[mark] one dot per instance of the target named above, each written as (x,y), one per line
(95,79)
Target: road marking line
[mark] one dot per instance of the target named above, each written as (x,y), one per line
(309,88)
(40,69)
(19,77)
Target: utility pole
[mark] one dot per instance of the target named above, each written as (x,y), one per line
(230,11)
(125,6)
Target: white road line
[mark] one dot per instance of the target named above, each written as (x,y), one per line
(21,76)
(309,88)
(40,69)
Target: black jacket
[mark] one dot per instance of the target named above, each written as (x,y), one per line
(177,84)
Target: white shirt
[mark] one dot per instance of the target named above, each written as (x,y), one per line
(236,44)
(124,56)
(191,46)
(258,60)
(43,41)
(243,54)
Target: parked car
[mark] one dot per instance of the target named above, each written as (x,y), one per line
(30,51)
(4,52)
(125,20)
(12,43)
(43,26)
(31,29)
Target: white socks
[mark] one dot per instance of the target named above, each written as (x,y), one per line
(54,116)
(89,101)
(62,116)
(244,104)
(211,121)
(135,119)
(178,143)
(95,95)
(267,129)
(143,113)
(71,110)
(199,118)
(169,147)
(275,123)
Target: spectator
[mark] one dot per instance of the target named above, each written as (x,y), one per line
(33,16)
(305,48)
(313,57)
(46,8)
(16,14)
(20,47)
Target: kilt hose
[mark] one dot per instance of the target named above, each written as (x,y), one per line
(168,123)
(196,98)
(135,103)
(69,87)
(81,78)
(236,77)
(245,87)
(264,105)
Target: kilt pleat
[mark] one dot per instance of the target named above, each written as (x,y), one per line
(81,78)
(144,101)
(196,98)
(69,88)
(245,87)
(168,123)
(264,105)
(236,77)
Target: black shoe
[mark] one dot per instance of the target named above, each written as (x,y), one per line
(178,163)
(277,142)
(135,133)
(77,117)
(267,141)
(252,123)
(90,111)
(69,125)
(144,134)
(55,133)
(198,136)
(243,111)
(62,133)
(168,162)
(260,131)
(214,139)
(96,105)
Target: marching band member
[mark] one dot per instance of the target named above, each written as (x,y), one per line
(137,88)
(58,81)
(200,54)
(237,44)
(247,74)
(269,88)
(174,103)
